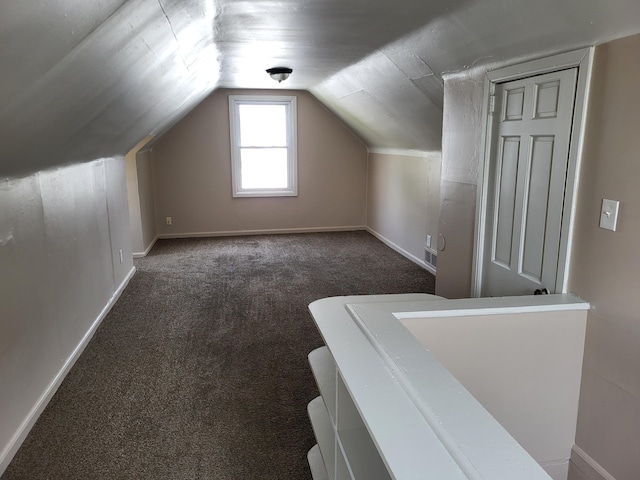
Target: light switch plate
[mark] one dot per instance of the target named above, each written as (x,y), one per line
(609,214)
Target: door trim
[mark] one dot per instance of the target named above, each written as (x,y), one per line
(583,60)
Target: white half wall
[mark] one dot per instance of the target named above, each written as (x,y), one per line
(65,254)
(524,368)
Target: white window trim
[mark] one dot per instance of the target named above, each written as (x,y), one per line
(234,127)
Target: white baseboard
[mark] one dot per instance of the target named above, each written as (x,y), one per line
(587,466)
(275,231)
(146,252)
(19,436)
(401,251)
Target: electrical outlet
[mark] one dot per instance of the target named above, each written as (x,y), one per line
(428,241)
(609,214)
(168,220)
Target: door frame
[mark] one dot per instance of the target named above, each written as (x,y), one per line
(583,60)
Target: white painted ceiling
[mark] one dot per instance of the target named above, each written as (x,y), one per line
(84,79)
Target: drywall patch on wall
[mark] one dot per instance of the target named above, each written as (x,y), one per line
(455,239)
(462,154)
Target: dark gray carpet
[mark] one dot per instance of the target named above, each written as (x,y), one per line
(200,369)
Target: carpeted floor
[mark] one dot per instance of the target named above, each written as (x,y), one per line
(200,369)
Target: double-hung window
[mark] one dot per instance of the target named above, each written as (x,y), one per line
(263,145)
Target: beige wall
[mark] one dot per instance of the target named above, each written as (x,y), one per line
(135,224)
(461,168)
(525,370)
(606,265)
(192,174)
(142,219)
(146,198)
(61,233)
(403,200)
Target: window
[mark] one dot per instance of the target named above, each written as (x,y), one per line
(263,146)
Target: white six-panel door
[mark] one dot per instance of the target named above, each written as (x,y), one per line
(528,171)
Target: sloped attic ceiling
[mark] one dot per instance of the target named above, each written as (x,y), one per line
(84,79)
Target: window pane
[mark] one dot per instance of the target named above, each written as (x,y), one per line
(263,125)
(263,167)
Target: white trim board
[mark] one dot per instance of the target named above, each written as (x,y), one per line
(148,249)
(583,59)
(275,231)
(591,469)
(289,102)
(401,251)
(20,435)
(399,152)
(497,306)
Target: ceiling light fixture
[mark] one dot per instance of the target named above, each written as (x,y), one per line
(279,73)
